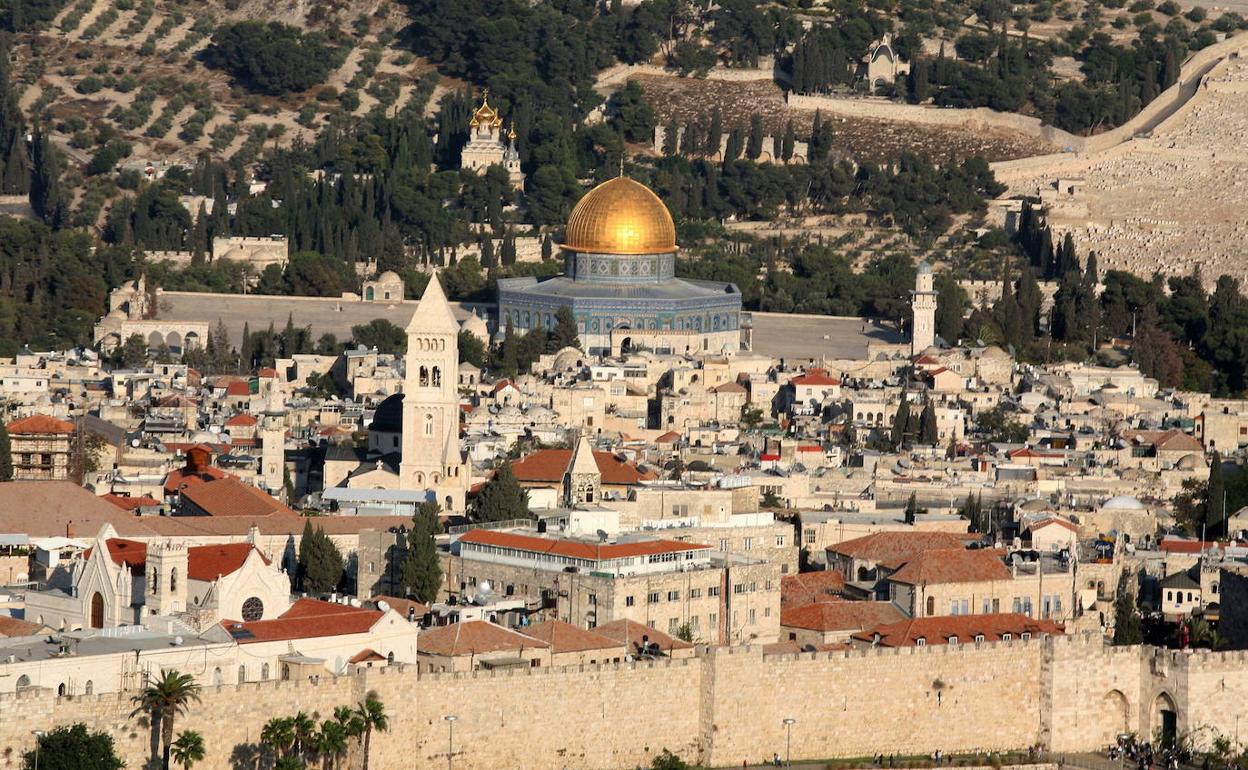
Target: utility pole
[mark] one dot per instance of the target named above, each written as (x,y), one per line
(788,741)
(450,740)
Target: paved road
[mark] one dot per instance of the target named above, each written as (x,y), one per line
(775,334)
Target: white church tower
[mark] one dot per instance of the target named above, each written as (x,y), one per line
(923,306)
(431,456)
(273,444)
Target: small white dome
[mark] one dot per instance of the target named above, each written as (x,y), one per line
(1122,503)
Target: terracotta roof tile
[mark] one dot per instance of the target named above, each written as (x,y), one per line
(474,637)
(634,636)
(565,637)
(39,424)
(840,616)
(230,497)
(306,619)
(952,565)
(547,466)
(815,377)
(241,420)
(892,549)
(209,562)
(811,587)
(938,630)
(577,549)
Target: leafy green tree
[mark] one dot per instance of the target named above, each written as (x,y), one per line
(471,349)
(6,454)
(163,700)
(188,749)
(133,352)
(633,115)
(1127,628)
(272,58)
(73,747)
(320,562)
(666,760)
(421,571)
(381,334)
(502,498)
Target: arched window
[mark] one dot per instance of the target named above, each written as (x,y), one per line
(60,690)
(931,606)
(89,688)
(390,657)
(155,581)
(217,678)
(23,682)
(253,609)
(424,376)
(242,674)
(428,424)
(173,579)
(264,673)
(437,376)
(285,672)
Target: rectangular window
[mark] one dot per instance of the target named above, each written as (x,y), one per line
(712,620)
(712,591)
(966,606)
(693,623)
(653,598)
(996,605)
(593,600)
(749,543)
(672,625)
(779,541)
(673,596)
(738,588)
(650,623)
(695,593)
(809,534)
(953,607)
(752,618)
(987,606)
(723,544)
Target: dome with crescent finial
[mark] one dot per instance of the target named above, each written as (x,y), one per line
(620,216)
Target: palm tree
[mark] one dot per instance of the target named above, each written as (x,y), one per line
(278,734)
(304,731)
(163,700)
(188,748)
(372,716)
(331,743)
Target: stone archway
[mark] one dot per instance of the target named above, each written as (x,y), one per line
(97,610)
(1116,711)
(155,340)
(174,341)
(1163,722)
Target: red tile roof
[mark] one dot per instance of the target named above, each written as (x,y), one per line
(238,389)
(952,565)
(671,437)
(634,636)
(209,562)
(548,465)
(306,619)
(230,497)
(811,587)
(1178,545)
(10,627)
(576,549)
(366,655)
(241,420)
(565,637)
(892,549)
(1058,522)
(124,553)
(39,424)
(938,630)
(181,479)
(815,377)
(474,637)
(402,606)
(840,616)
(130,503)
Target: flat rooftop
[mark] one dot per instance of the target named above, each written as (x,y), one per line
(781,335)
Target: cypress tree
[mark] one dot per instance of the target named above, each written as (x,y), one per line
(421,571)
(790,139)
(912,509)
(754,144)
(1215,497)
(565,334)
(927,425)
(6,455)
(320,563)
(900,421)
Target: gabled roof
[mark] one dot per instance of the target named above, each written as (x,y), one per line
(130,503)
(1054,522)
(565,637)
(892,549)
(815,377)
(39,424)
(840,616)
(548,465)
(474,637)
(124,553)
(1182,579)
(231,497)
(952,565)
(209,562)
(582,462)
(238,388)
(241,420)
(671,437)
(634,636)
(810,587)
(939,629)
(306,619)
(577,549)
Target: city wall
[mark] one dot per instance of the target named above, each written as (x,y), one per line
(719,709)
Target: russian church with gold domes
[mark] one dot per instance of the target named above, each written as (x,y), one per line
(489,145)
(619,251)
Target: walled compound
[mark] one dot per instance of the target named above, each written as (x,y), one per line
(720,708)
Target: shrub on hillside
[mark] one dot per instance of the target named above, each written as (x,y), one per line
(271,58)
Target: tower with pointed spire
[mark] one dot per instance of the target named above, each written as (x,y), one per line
(490,145)
(582,481)
(273,444)
(431,457)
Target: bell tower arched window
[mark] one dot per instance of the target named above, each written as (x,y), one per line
(437,376)
(424,377)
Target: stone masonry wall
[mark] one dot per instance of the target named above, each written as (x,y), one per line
(721,708)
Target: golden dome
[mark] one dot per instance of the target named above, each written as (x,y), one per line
(620,216)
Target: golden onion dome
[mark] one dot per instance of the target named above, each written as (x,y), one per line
(620,216)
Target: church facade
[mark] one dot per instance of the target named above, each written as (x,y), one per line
(620,281)
(489,145)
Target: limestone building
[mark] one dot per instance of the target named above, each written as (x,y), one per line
(40,446)
(431,457)
(882,66)
(387,287)
(488,145)
(620,281)
(923,305)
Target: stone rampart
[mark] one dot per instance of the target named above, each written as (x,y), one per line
(721,708)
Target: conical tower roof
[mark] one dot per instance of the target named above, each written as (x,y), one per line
(583,461)
(433,314)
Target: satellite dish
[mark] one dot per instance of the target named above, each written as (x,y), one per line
(383,605)
(484,587)
(177,641)
(355,602)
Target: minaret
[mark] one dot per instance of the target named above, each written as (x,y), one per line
(582,481)
(431,456)
(273,444)
(923,306)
